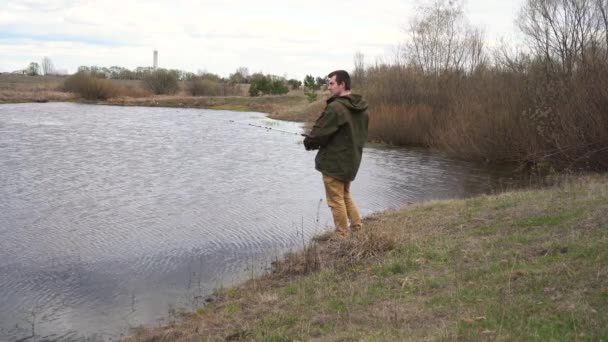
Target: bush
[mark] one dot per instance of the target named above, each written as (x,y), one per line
(278,87)
(90,87)
(204,87)
(161,81)
(310,88)
(311,94)
(260,85)
(294,84)
(267,85)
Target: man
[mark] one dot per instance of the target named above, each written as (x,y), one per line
(339,134)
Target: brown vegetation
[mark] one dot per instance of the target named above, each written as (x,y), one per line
(10,96)
(206,87)
(161,81)
(89,87)
(22,88)
(25,83)
(201,87)
(545,109)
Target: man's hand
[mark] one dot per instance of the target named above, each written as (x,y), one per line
(310,143)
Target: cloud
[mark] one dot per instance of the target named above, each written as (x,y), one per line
(9,37)
(279,37)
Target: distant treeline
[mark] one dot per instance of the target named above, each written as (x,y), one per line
(139,73)
(90,82)
(544,107)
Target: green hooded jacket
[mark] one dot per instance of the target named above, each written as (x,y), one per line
(340,133)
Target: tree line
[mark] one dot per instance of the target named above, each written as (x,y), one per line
(90,82)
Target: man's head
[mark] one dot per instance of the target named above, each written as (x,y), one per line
(339,83)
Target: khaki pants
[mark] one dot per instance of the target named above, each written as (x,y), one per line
(342,205)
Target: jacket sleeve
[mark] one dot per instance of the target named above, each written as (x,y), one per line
(322,131)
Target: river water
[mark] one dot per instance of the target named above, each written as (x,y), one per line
(112,217)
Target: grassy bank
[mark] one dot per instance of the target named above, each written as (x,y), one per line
(529,265)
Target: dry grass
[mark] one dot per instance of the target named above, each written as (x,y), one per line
(12,96)
(284,107)
(23,83)
(206,87)
(402,125)
(516,266)
(329,252)
(300,110)
(495,114)
(21,88)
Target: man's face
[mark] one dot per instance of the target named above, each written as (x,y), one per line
(334,88)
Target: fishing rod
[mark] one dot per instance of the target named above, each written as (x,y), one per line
(265,127)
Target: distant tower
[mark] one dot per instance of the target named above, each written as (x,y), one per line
(155,64)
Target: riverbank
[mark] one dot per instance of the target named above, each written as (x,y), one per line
(281,107)
(515,266)
(291,107)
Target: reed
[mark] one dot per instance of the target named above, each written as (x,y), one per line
(495,114)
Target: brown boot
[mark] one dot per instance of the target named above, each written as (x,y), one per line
(356,229)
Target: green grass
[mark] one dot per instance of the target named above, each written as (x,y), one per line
(232,107)
(547,220)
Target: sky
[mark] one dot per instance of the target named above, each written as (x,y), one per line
(286,38)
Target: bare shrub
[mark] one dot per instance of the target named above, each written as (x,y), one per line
(401,125)
(161,81)
(298,263)
(90,87)
(368,244)
(197,86)
(130,90)
(335,253)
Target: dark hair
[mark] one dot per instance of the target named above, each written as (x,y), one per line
(341,77)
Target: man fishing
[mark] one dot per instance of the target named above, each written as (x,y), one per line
(339,134)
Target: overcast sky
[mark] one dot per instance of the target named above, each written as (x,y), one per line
(291,38)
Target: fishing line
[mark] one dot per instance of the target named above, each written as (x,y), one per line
(265,127)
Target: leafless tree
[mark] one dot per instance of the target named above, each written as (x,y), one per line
(47,66)
(511,58)
(241,75)
(602,9)
(475,47)
(563,32)
(442,39)
(359,72)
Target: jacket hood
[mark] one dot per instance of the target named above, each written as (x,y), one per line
(354,102)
